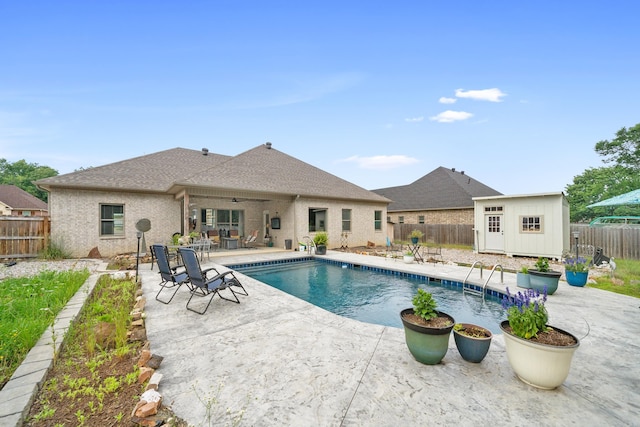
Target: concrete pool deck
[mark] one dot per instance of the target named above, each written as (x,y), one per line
(284,362)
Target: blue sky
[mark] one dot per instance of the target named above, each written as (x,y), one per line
(379,93)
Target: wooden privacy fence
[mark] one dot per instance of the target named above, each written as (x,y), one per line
(23,237)
(446,234)
(617,242)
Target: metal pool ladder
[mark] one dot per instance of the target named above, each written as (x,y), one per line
(309,243)
(466,288)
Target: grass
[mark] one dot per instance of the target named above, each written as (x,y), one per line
(625,280)
(95,379)
(29,307)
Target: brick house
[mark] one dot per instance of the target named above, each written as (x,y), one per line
(443,196)
(14,201)
(183,190)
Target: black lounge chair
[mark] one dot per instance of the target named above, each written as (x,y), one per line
(203,286)
(171,277)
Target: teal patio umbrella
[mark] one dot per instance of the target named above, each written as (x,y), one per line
(630,198)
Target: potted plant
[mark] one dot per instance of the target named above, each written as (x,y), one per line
(523,278)
(542,277)
(539,354)
(472,341)
(302,246)
(416,235)
(426,329)
(408,257)
(321,239)
(576,270)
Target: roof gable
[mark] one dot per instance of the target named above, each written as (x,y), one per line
(265,169)
(441,188)
(16,198)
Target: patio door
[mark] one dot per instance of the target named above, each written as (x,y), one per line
(494,233)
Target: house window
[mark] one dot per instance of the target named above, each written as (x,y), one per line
(377,220)
(26,213)
(112,220)
(317,219)
(531,224)
(420,219)
(346,219)
(224,219)
(401,219)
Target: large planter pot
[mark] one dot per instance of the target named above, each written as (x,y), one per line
(321,249)
(540,279)
(576,278)
(540,365)
(408,259)
(427,345)
(414,240)
(472,348)
(523,280)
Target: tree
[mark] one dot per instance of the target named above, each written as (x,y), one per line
(624,149)
(22,174)
(598,184)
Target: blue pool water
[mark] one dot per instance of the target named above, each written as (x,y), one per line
(371,296)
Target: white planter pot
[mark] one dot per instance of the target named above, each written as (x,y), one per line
(408,259)
(540,365)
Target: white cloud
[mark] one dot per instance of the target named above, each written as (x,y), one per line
(451,116)
(491,95)
(381,162)
(414,119)
(445,100)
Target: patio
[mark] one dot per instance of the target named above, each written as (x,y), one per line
(281,361)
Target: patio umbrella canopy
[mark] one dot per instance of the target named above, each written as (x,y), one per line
(630,198)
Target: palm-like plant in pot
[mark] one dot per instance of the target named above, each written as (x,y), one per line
(542,277)
(539,354)
(426,329)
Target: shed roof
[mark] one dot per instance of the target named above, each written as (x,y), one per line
(441,188)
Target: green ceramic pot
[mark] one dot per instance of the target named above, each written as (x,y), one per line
(427,345)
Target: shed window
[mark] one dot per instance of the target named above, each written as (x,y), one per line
(401,219)
(531,224)
(420,219)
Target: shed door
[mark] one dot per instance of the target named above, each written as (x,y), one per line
(494,236)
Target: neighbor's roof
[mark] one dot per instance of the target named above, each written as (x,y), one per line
(261,169)
(441,188)
(16,198)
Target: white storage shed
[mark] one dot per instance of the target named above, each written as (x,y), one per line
(535,225)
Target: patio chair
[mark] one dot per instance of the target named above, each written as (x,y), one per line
(171,277)
(250,240)
(203,286)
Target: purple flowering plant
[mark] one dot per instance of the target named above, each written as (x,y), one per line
(576,265)
(526,312)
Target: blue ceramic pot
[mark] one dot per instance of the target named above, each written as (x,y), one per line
(576,278)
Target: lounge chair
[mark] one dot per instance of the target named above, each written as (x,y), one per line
(203,286)
(250,240)
(171,277)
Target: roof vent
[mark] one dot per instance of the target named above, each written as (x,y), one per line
(205,151)
(268,144)
(462,172)
(453,169)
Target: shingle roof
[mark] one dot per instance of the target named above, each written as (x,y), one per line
(441,188)
(155,172)
(261,169)
(16,198)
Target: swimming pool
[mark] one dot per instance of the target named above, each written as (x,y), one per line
(371,295)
